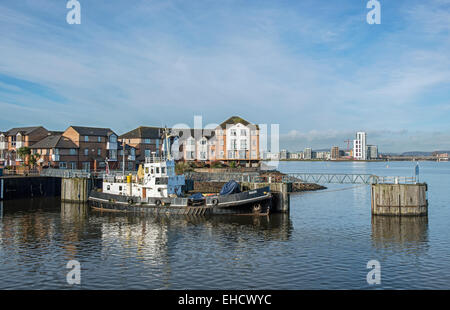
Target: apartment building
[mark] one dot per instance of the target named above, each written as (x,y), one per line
(56,151)
(335,153)
(240,140)
(95,145)
(14,139)
(372,152)
(233,140)
(360,146)
(145,141)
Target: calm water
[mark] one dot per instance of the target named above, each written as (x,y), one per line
(325,242)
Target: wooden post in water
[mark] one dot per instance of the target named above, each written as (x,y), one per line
(399,199)
(75,189)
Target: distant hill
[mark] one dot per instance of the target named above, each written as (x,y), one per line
(416,153)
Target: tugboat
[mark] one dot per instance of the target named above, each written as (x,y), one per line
(158,190)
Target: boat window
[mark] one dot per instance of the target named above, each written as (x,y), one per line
(153,171)
(163,170)
(157,169)
(109,187)
(146,170)
(120,188)
(161,181)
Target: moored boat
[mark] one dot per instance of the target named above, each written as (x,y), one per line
(157,189)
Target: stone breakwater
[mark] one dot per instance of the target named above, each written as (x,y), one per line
(215,187)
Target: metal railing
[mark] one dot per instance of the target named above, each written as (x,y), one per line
(343,178)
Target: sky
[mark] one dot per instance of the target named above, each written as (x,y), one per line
(315,67)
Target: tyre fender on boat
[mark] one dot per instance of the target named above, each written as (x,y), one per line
(158,202)
(130,200)
(215,201)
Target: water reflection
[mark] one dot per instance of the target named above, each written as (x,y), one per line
(400,233)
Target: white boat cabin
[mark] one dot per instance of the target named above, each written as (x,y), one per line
(159,180)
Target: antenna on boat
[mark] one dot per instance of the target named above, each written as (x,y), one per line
(166,143)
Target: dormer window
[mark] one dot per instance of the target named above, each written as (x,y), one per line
(113,139)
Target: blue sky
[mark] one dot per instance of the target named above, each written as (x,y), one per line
(314,67)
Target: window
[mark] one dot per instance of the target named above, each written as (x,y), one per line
(109,187)
(62,165)
(86,152)
(243,144)
(73,165)
(147,153)
(203,142)
(86,138)
(56,151)
(132,152)
(233,132)
(72,152)
(161,181)
(254,142)
(113,139)
(99,152)
(147,141)
(163,169)
(253,154)
(253,132)
(146,170)
(221,141)
(157,169)
(233,144)
(120,188)
(243,132)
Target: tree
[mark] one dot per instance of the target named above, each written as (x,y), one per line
(23,153)
(33,159)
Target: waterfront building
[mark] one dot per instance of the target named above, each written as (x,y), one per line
(284,154)
(372,152)
(16,138)
(56,151)
(335,153)
(95,146)
(233,140)
(145,140)
(359,146)
(307,153)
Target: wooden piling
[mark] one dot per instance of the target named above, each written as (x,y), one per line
(399,199)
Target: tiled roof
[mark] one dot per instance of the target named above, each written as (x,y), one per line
(92,131)
(143,132)
(236,120)
(23,130)
(55,141)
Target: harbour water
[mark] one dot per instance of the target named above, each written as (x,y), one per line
(325,242)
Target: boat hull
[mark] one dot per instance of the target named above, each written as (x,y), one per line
(256,202)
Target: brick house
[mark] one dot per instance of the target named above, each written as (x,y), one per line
(95,145)
(145,141)
(56,151)
(15,138)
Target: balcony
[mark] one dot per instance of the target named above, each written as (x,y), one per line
(111,145)
(55,157)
